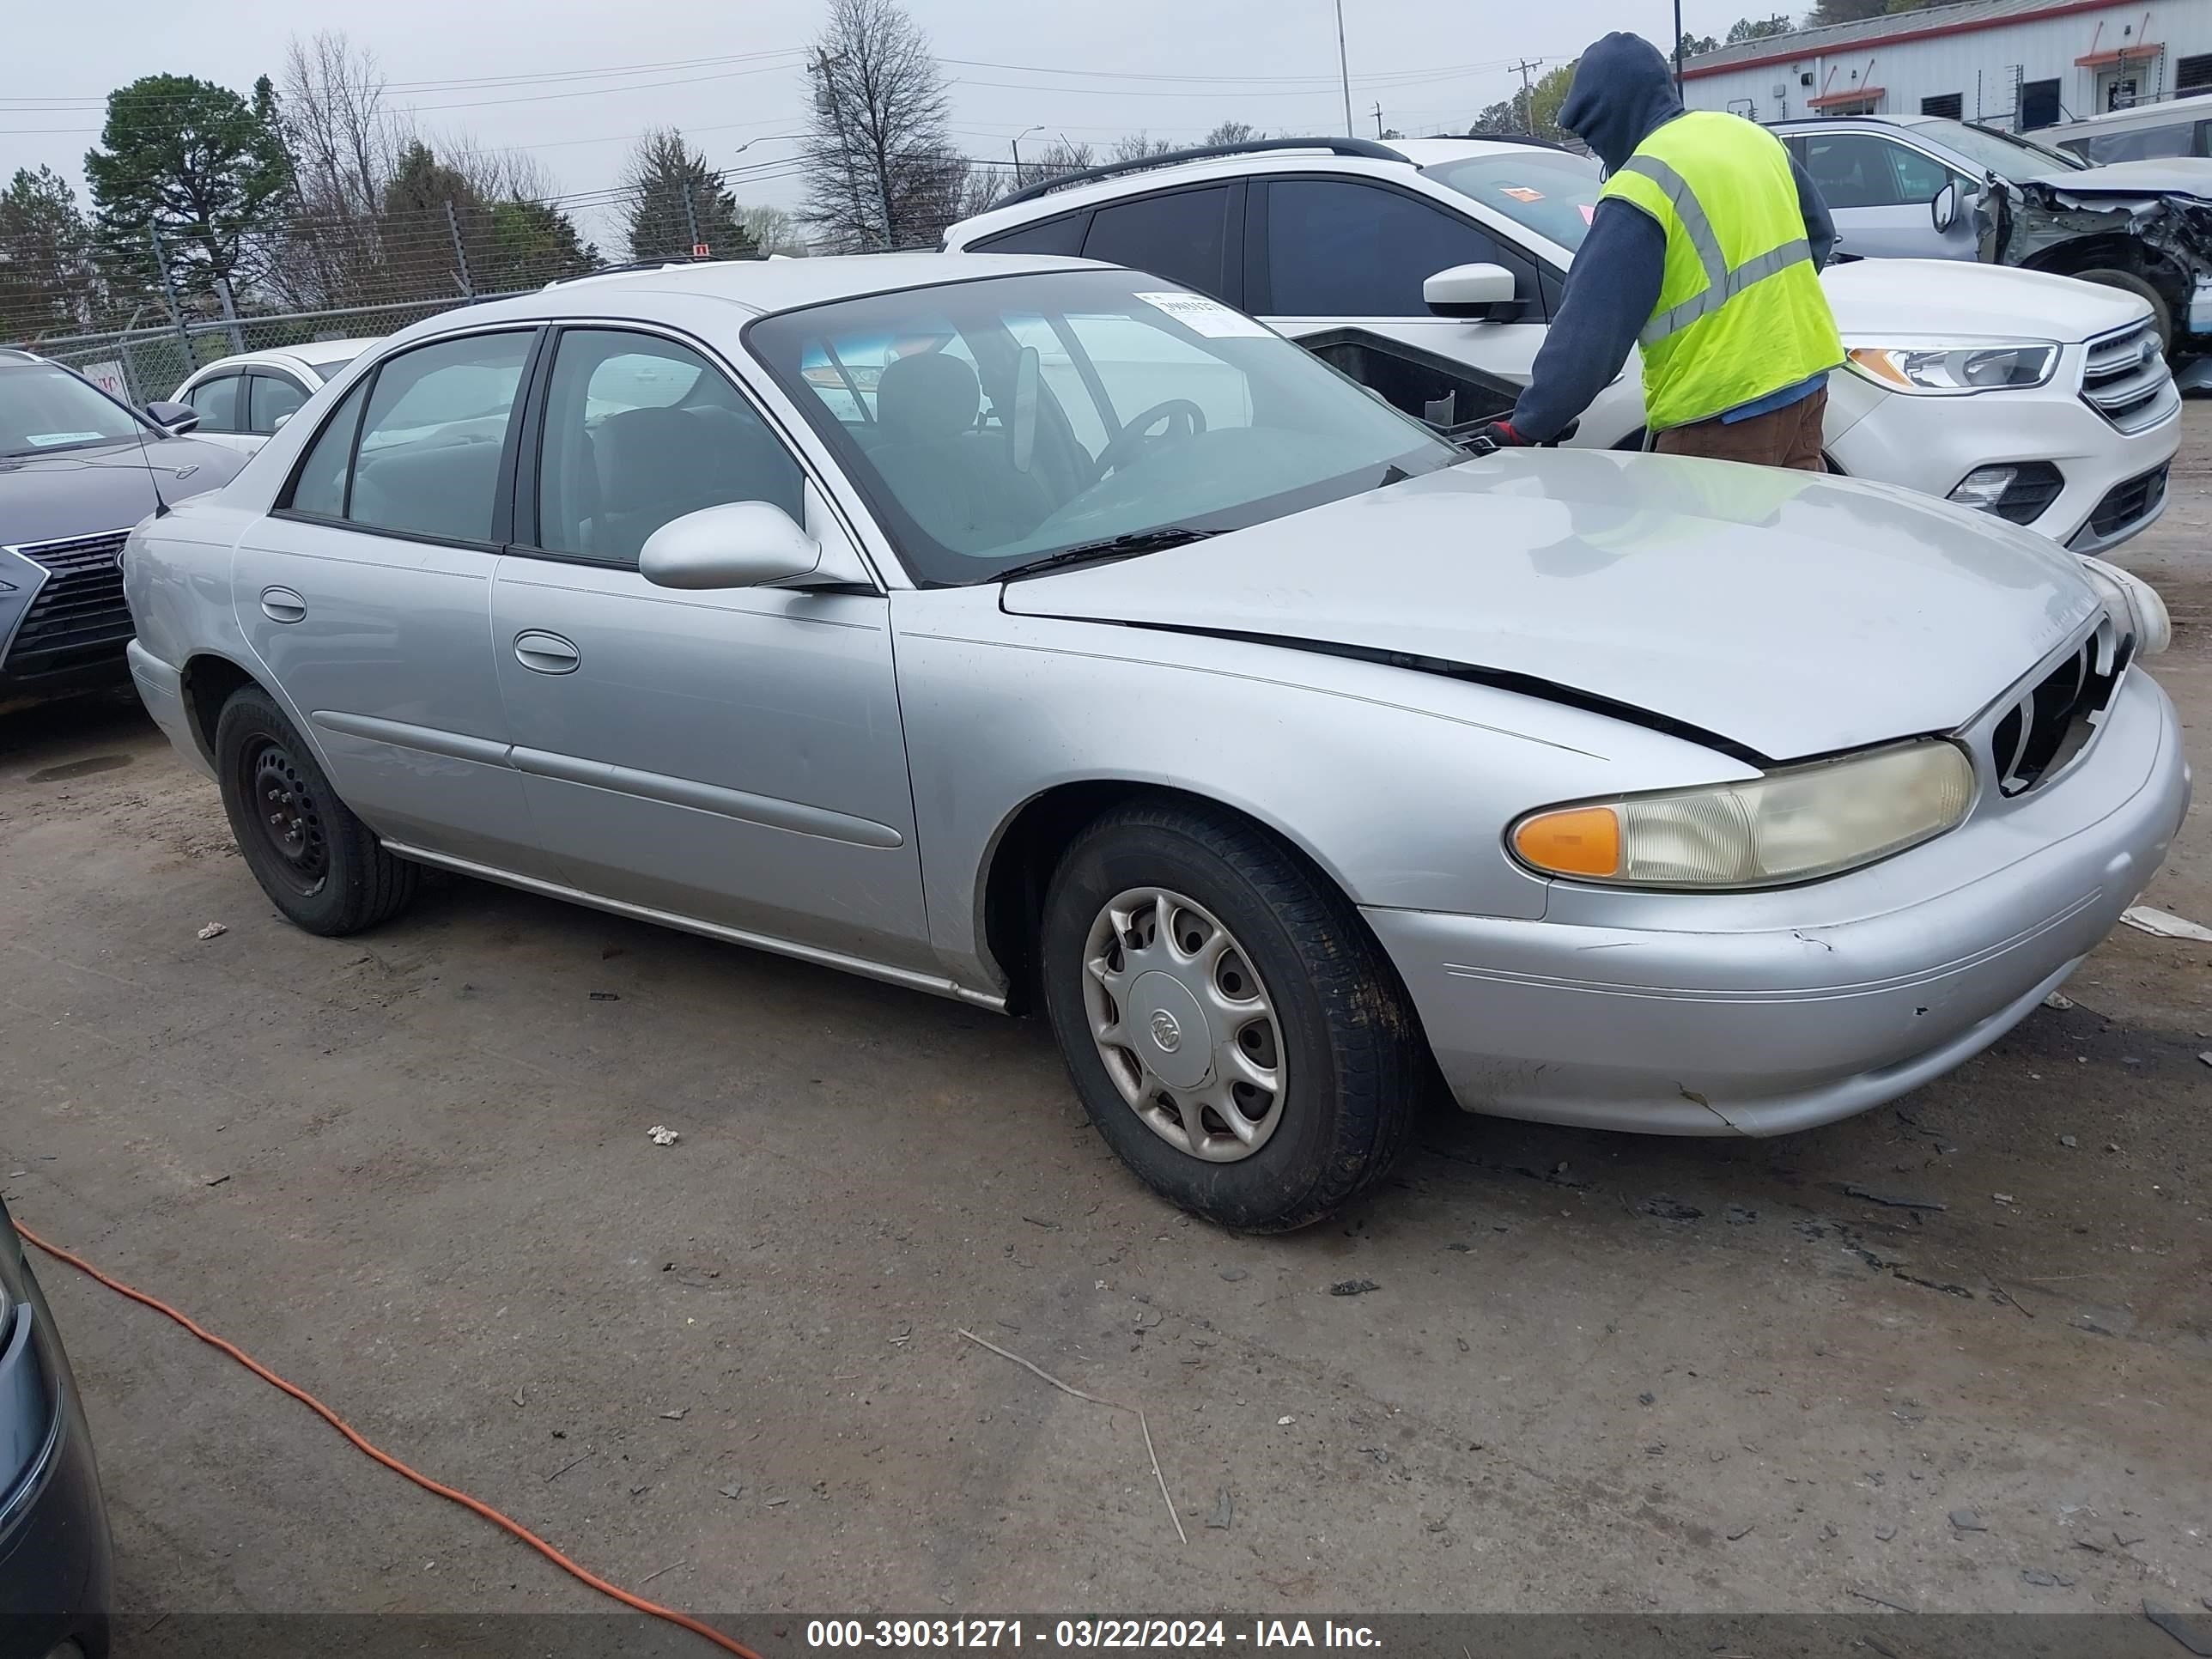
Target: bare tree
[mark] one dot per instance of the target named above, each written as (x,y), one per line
(881,169)
(1060,158)
(774,230)
(341,146)
(1140,147)
(1234,132)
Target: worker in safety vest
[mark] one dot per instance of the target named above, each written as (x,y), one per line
(1704,249)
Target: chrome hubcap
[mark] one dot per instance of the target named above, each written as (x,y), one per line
(1183,1024)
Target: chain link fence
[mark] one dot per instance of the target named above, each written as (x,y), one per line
(140,365)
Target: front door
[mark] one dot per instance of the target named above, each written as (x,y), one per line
(367,595)
(733,756)
(1880,191)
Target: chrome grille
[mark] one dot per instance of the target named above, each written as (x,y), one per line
(2126,379)
(2054,720)
(78,616)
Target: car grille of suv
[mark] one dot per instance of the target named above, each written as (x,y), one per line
(78,617)
(2126,379)
(2126,504)
(2055,719)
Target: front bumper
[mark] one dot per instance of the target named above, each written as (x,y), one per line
(1763,1013)
(57,1573)
(1931,444)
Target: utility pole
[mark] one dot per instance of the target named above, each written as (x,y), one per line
(1344,70)
(1678,50)
(1527,96)
(826,101)
(1378,120)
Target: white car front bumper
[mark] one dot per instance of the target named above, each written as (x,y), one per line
(2111,483)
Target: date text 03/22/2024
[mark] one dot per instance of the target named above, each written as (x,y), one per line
(1085,1633)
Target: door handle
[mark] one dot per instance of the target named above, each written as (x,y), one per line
(546,653)
(281,604)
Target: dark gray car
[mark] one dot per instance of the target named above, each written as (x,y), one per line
(77,471)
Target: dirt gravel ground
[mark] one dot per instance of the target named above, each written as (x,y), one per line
(412,1171)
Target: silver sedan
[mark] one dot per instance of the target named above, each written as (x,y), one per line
(1037,634)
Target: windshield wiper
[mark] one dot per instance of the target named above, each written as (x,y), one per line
(1113,547)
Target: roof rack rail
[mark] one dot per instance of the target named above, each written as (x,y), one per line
(666,263)
(1529,138)
(1361,147)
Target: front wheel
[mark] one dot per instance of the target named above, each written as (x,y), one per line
(1232,1028)
(321,866)
(2161,314)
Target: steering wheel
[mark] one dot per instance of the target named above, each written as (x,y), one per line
(1125,445)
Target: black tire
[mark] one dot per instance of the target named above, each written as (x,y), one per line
(2161,314)
(321,866)
(1356,1067)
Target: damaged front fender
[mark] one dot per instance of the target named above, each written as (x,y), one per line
(2044,226)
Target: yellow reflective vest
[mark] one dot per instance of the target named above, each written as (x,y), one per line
(1741,312)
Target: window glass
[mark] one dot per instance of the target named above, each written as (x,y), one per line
(273,397)
(1553,193)
(428,459)
(641,430)
(319,487)
(2143,144)
(1340,249)
(45,407)
(1918,176)
(1852,169)
(977,457)
(217,403)
(1180,236)
(1063,235)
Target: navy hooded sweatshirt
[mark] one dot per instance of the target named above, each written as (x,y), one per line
(1623,91)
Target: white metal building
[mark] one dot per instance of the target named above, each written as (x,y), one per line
(2014,63)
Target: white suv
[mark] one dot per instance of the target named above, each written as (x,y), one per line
(1428,270)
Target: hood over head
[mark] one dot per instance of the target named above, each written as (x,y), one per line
(1623,88)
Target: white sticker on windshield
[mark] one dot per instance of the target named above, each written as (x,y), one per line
(1203,316)
(47,440)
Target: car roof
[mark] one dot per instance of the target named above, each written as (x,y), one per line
(1413,155)
(307,351)
(2178,111)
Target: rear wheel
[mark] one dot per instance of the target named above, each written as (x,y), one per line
(1232,1030)
(2161,314)
(321,866)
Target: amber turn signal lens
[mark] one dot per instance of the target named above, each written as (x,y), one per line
(1582,841)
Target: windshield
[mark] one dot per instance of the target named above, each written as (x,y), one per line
(45,408)
(2000,153)
(1551,192)
(992,424)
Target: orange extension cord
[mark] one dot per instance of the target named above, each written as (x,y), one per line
(728,1644)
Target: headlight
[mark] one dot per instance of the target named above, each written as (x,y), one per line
(2134,602)
(1790,825)
(1953,370)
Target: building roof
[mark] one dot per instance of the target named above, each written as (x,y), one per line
(1877,31)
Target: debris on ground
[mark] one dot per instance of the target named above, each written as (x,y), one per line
(2067,1141)
(2059,999)
(1891,1200)
(1669,1209)
(2043,1579)
(732,1493)
(1224,1509)
(606,996)
(678,1415)
(2163,924)
(1285,1422)
(661,1135)
(1967,1520)
(1739,1215)
(2183,1629)
(213,930)
(1743,1531)
(1232,1274)
(1884,1532)
(1353,1287)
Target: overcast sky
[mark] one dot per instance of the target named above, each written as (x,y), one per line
(1169,67)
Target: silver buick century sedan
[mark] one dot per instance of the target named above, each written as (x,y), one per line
(1037,634)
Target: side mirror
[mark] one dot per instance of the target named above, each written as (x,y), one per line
(278,425)
(1943,207)
(178,418)
(1469,291)
(737,545)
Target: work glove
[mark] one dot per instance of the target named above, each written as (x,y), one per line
(1502,435)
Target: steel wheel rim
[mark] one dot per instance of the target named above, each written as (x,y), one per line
(287,817)
(1183,1024)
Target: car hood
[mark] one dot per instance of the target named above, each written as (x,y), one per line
(2173,176)
(1880,301)
(1792,614)
(83,492)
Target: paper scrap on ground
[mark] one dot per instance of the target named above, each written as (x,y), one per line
(213,930)
(2163,924)
(662,1135)
(1203,316)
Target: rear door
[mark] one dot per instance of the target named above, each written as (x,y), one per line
(1338,263)
(273,397)
(367,593)
(734,756)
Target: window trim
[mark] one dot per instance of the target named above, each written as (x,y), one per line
(1233,280)
(525,483)
(991,244)
(503,486)
(267,372)
(1260,272)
